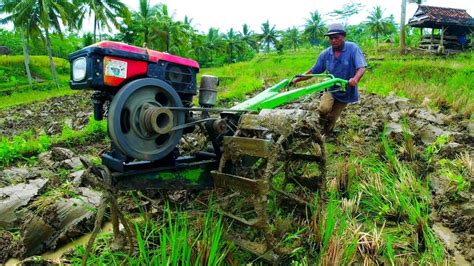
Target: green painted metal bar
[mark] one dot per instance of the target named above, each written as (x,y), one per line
(273,97)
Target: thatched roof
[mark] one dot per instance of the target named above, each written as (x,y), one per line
(438,17)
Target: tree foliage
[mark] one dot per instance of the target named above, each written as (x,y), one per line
(379,25)
(269,36)
(315,27)
(158,28)
(348,10)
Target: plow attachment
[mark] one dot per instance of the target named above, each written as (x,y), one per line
(269,151)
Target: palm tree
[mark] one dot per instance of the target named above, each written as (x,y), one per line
(42,16)
(233,42)
(169,33)
(378,24)
(105,11)
(213,42)
(248,37)
(269,35)
(314,27)
(292,38)
(198,48)
(7,7)
(143,19)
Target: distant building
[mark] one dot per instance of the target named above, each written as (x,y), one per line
(451,28)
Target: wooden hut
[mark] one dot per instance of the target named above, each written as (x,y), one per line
(451,28)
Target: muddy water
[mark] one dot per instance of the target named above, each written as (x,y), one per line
(55,255)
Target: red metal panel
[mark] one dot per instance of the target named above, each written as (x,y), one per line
(118,69)
(120,46)
(154,56)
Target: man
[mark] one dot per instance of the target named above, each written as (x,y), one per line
(343,60)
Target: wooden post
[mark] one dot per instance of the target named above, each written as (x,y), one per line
(421,36)
(441,41)
(432,38)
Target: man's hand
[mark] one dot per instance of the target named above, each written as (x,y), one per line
(353,82)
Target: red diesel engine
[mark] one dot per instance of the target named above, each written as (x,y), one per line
(137,89)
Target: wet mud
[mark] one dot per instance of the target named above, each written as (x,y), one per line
(358,131)
(48,117)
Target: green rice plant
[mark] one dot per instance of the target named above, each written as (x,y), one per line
(458,181)
(176,239)
(22,146)
(445,81)
(27,145)
(334,233)
(456,172)
(389,252)
(93,128)
(241,87)
(43,93)
(435,147)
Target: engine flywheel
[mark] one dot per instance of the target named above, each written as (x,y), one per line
(140,123)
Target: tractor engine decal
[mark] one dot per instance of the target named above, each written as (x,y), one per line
(117,69)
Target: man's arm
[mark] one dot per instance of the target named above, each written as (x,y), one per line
(360,64)
(318,68)
(358,75)
(296,80)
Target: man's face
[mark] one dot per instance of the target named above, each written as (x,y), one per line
(336,40)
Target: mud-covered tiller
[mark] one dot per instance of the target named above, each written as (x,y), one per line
(147,99)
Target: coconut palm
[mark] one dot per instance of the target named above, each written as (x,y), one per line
(292,38)
(7,7)
(314,27)
(143,19)
(213,42)
(104,11)
(233,42)
(269,36)
(42,16)
(199,50)
(378,25)
(249,37)
(166,32)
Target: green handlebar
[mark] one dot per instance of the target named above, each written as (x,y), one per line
(274,96)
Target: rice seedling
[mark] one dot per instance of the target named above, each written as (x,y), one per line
(468,163)
(176,238)
(27,145)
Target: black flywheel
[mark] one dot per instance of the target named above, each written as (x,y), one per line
(140,122)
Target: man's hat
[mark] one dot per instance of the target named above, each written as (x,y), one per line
(335,28)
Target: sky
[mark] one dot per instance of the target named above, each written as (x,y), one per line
(225,14)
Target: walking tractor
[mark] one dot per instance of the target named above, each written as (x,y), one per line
(251,149)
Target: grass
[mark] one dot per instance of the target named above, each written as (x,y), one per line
(27,145)
(446,81)
(14,87)
(393,192)
(174,239)
(32,95)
